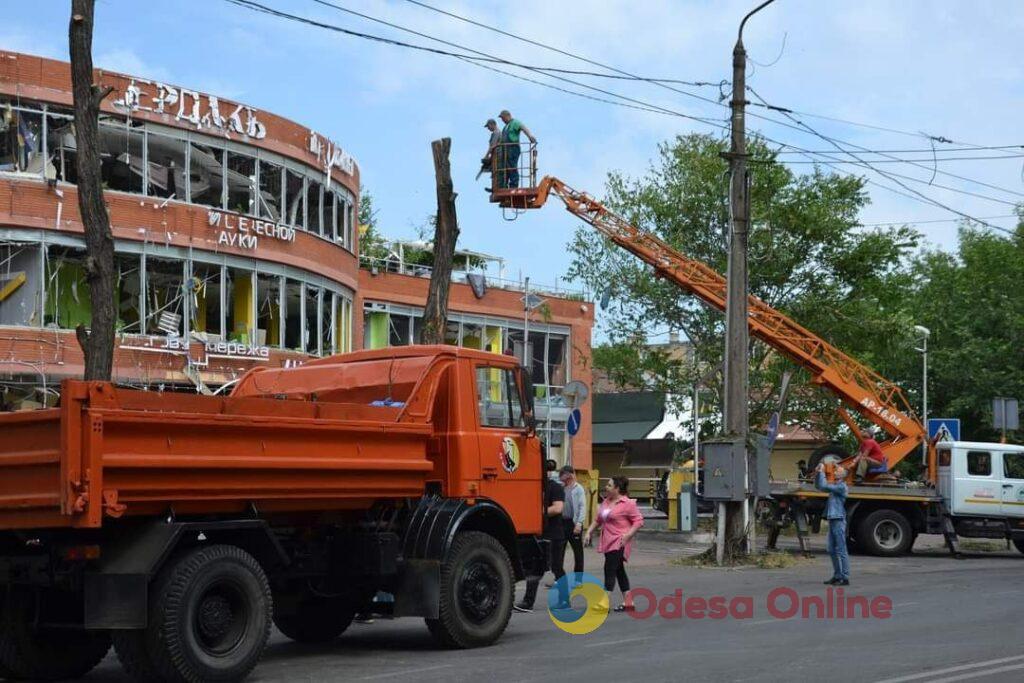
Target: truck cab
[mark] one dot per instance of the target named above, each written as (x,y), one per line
(982,479)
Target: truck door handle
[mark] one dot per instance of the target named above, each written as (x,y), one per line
(490,473)
(1007,486)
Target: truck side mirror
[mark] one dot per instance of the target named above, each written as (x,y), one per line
(529,416)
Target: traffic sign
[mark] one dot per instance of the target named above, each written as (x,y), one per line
(572,425)
(945,428)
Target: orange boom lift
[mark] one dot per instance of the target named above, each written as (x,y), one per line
(857,386)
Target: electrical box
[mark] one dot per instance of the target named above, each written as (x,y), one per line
(687,510)
(724,467)
(761,484)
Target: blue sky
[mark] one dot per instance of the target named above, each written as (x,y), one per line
(946,68)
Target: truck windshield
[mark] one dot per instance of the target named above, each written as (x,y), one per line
(498,398)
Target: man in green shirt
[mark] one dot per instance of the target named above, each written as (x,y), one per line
(509,164)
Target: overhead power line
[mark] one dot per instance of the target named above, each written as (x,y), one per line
(934,220)
(995,157)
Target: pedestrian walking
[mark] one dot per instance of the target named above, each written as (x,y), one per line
(554,534)
(835,513)
(574,515)
(619,519)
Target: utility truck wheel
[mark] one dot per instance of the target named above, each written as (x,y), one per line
(307,618)
(209,619)
(1019,542)
(37,653)
(476,592)
(885,533)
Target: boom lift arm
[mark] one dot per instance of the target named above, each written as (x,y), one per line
(858,387)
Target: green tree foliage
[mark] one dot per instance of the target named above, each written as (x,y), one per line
(973,303)
(808,258)
(371,243)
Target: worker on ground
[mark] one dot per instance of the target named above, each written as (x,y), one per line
(487,162)
(835,513)
(509,158)
(554,534)
(870,459)
(574,514)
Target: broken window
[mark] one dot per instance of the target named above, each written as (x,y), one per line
(293,315)
(268,310)
(68,301)
(240,305)
(206,304)
(61,148)
(332,210)
(312,316)
(21,280)
(472,336)
(400,330)
(295,199)
(328,314)
(21,139)
(206,175)
(128,295)
(269,201)
(344,324)
(165,300)
(122,157)
(451,333)
(314,212)
(241,177)
(165,158)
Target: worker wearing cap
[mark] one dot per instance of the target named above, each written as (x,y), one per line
(509,158)
(492,145)
(835,513)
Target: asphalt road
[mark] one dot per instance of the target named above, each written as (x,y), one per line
(951,620)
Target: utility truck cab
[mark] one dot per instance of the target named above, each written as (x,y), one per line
(982,479)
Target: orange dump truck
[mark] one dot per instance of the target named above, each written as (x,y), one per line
(179,527)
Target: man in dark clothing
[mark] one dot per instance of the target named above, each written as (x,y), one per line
(554,534)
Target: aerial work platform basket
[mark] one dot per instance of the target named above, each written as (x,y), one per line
(514,175)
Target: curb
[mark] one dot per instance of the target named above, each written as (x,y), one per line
(665,536)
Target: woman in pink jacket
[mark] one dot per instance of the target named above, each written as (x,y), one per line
(619,520)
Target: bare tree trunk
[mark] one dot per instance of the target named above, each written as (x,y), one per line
(97,341)
(446,233)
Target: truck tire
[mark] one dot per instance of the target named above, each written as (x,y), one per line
(819,454)
(476,592)
(27,652)
(209,619)
(315,620)
(885,533)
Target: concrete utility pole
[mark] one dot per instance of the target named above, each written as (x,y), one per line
(736,409)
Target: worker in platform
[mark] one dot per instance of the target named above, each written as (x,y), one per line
(487,162)
(509,157)
(870,459)
(835,513)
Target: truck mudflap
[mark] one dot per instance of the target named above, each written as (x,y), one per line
(432,529)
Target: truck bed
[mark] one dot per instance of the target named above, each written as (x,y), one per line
(798,488)
(109,452)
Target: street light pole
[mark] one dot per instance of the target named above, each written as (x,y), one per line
(925,333)
(737,340)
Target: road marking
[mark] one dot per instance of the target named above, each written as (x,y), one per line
(615,642)
(953,669)
(406,672)
(978,674)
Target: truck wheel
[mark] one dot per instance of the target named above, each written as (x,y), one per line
(885,533)
(28,652)
(476,592)
(209,619)
(314,620)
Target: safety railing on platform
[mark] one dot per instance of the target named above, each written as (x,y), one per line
(513,165)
